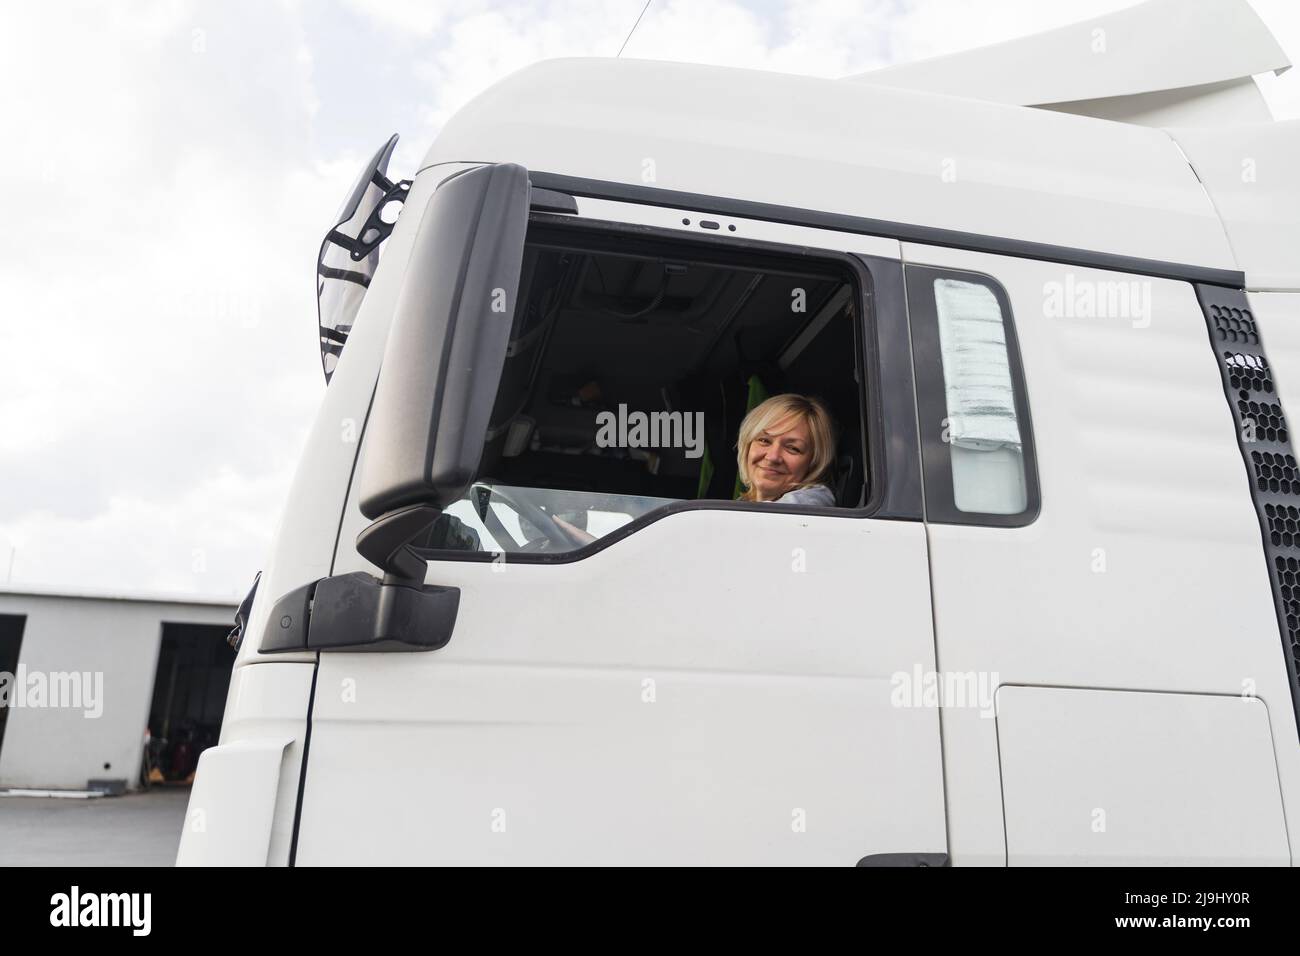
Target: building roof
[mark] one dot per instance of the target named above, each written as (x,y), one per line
(10,590)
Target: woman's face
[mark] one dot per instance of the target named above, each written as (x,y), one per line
(779,459)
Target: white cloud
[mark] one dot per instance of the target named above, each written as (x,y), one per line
(204,536)
(408,17)
(157,357)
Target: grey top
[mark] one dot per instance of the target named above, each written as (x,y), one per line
(819,496)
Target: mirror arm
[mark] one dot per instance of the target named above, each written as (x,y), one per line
(386,543)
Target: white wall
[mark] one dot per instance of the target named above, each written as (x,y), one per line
(63,748)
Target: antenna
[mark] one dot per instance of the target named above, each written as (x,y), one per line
(633,30)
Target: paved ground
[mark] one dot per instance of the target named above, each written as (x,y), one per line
(138,829)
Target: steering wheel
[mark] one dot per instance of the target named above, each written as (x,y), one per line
(555,534)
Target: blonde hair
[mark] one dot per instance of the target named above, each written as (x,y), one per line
(764,416)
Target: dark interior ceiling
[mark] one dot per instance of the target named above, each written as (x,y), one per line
(662,320)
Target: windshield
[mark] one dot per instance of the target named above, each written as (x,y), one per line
(505,519)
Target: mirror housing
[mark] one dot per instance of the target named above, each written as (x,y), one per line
(443,360)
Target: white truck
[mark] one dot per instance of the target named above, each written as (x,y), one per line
(1050,293)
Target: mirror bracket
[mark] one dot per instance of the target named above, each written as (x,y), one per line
(386,543)
(356,612)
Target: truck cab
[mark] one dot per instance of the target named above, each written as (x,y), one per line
(517,613)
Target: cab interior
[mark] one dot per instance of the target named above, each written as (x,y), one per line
(610,319)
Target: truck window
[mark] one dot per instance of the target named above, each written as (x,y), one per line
(632,361)
(987,456)
(976,439)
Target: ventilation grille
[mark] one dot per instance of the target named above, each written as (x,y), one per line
(1248,373)
(1283,526)
(1233,325)
(1266,445)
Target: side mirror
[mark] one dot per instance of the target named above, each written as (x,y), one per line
(443,361)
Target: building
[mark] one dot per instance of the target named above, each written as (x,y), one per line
(83,675)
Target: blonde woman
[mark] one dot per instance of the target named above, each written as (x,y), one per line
(785,451)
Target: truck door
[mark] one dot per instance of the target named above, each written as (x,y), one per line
(712,683)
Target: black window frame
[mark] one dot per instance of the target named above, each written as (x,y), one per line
(932,400)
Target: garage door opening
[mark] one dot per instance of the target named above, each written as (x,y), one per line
(11,641)
(189,698)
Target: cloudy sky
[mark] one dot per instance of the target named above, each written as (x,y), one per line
(169,170)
